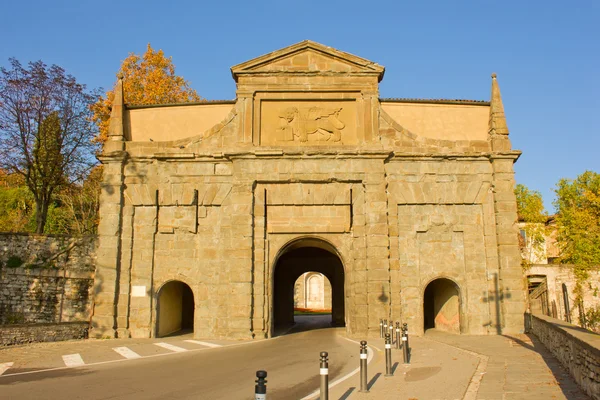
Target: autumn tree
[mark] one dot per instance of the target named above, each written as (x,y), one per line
(531,212)
(147,79)
(578,222)
(81,203)
(46,130)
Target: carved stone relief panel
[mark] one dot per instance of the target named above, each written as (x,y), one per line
(293,123)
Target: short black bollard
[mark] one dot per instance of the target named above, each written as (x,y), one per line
(260,389)
(363,367)
(407,342)
(324,372)
(388,356)
(385,327)
(381,328)
(398,339)
(405,354)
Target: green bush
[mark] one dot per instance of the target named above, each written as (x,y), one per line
(14,262)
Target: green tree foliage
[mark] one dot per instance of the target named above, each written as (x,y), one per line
(531,212)
(46,131)
(16,203)
(578,221)
(530,206)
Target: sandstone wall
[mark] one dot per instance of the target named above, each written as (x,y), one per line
(53,283)
(578,350)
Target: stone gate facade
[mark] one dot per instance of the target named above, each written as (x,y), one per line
(406,206)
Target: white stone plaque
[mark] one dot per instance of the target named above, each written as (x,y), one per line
(138,291)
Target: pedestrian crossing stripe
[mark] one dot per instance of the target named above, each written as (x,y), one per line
(73,360)
(5,366)
(171,347)
(126,352)
(203,343)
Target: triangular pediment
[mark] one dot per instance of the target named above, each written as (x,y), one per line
(308,57)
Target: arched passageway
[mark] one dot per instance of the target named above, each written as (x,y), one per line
(297,259)
(175,309)
(441,306)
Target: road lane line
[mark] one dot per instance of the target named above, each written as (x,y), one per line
(171,347)
(73,360)
(203,343)
(5,366)
(142,358)
(126,352)
(345,377)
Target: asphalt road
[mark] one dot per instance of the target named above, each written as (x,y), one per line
(292,363)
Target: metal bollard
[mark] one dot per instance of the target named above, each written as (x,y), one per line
(388,356)
(385,327)
(391,331)
(260,389)
(363,367)
(405,346)
(324,372)
(407,343)
(398,339)
(381,328)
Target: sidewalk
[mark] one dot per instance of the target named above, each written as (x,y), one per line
(445,366)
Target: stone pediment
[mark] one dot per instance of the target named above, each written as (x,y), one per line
(308,57)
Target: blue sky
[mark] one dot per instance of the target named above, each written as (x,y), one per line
(546,54)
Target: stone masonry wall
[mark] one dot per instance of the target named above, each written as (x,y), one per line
(578,350)
(556,275)
(45,279)
(22,334)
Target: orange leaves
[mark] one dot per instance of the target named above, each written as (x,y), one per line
(147,79)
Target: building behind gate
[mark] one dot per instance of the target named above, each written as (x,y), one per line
(211,211)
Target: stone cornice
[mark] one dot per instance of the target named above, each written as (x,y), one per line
(113,156)
(389,155)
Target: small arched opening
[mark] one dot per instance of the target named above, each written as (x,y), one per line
(175,309)
(441,306)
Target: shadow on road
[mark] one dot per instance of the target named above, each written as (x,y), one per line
(373,380)
(347,393)
(303,323)
(10,379)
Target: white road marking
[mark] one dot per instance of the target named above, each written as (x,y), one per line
(171,347)
(126,360)
(73,360)
(4,367)
(347,376)
(203,343)
(126,352)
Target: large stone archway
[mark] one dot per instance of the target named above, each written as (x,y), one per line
(303,256)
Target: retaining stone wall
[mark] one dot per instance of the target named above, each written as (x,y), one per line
(23,334)
(577,349)
(54,282)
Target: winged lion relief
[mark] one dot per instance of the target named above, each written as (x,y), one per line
(318,124)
